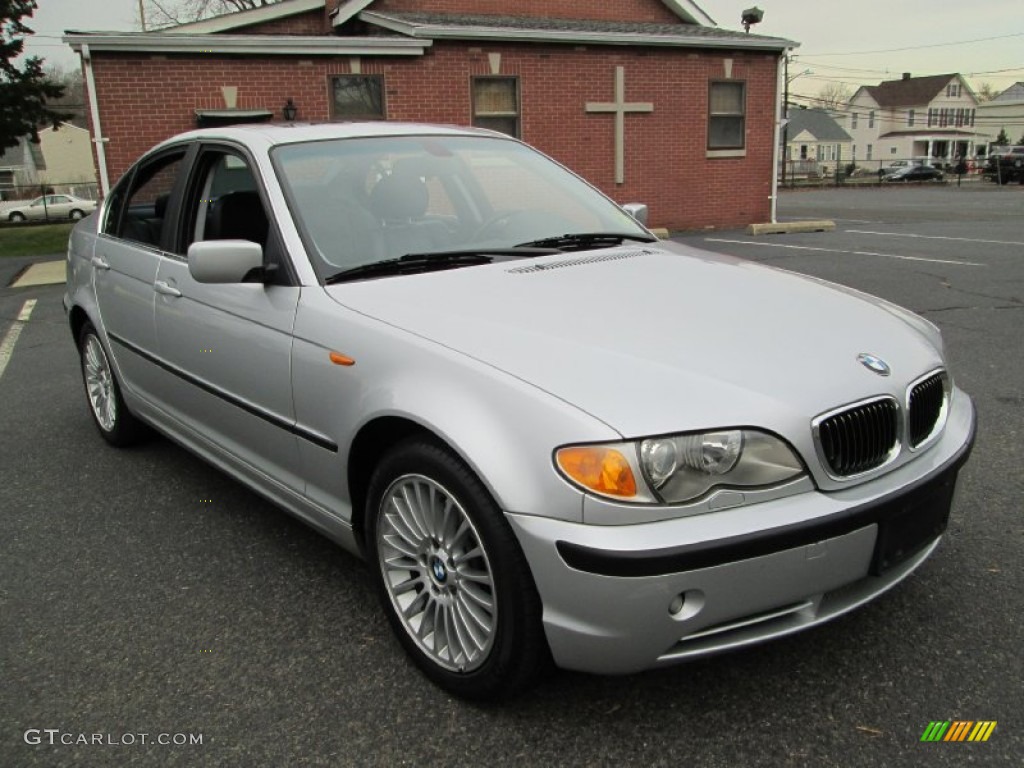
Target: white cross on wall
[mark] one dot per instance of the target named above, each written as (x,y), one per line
(620,107)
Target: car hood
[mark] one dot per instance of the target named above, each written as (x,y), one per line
(661,337)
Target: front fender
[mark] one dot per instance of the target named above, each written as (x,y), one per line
(505,429)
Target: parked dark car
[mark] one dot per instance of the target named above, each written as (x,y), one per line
(915,173)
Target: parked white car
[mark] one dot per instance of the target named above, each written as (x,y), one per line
(52,207)
(550,434)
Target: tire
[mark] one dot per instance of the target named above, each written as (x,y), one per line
(479,637)
(16,218)
(76,214)
(111,416)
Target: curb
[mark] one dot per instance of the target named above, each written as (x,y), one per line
(782,228)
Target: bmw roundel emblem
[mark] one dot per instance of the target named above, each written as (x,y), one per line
(873,363)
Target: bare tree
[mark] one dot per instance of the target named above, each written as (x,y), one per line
(985,92)
(834,95)
(73,99)
(164,13)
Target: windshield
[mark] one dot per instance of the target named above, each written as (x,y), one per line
(360,201)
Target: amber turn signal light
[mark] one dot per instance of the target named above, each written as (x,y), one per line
(598,468)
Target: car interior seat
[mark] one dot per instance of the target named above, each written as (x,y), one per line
(400,201)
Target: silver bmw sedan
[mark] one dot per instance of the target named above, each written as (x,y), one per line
(551,435)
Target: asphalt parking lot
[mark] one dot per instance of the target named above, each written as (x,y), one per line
(143,592)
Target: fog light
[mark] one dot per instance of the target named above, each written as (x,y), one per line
(686,605)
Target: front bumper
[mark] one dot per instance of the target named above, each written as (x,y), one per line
(619,599)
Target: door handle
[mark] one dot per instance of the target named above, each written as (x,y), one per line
(165,289)
(100,263)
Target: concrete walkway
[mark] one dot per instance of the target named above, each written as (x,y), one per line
(42,273)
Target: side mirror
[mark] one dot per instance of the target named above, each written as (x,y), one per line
(224,261)
(638,211)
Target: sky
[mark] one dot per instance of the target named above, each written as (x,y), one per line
(856,42)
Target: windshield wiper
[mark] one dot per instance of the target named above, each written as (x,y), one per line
(582,241)
(411,263)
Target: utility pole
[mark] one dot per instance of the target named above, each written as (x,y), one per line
(142,15)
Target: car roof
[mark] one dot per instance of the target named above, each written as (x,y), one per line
(265,135)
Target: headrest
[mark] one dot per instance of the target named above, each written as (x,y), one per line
(237,216)
(160,205)
(399,197)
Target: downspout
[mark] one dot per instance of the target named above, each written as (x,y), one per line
(779,79)
(97,131)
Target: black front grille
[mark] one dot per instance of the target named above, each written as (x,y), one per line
(860,438)
(926,401)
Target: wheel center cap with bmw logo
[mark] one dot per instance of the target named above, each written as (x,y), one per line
(873,363)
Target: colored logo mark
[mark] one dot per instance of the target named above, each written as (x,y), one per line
(958,730)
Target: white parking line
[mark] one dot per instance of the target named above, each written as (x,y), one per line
(851,253)
(7,345)
(934,237)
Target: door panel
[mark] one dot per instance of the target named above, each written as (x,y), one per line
(229,348)
(123,275)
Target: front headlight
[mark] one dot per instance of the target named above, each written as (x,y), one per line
(678,469)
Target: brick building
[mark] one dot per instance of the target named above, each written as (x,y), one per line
(646,99)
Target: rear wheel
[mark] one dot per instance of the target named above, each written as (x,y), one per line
(16,217)
(451,576)
(111,416)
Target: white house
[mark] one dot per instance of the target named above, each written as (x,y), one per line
(67,150)
(1004,112)
(815,143)
(914,117)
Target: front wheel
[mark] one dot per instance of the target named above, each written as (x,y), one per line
(115,422)
(77,214)
(451,576)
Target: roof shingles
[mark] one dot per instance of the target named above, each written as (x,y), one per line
(819,123)
(908,92)
(517,23)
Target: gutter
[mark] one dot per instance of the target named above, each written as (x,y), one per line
(263,45)
(94,110)
(779,117)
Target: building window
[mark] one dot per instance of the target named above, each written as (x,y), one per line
(727,115)
(357,97)
(853,120)
(496,104)
(910,117)
(869,152)
(931,117)
(953,90)
(871,119)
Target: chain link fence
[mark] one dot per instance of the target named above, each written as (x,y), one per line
(824,173)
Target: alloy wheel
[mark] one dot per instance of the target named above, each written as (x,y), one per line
(99,383)
(437,573)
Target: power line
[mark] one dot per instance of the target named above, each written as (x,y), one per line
(919,47)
